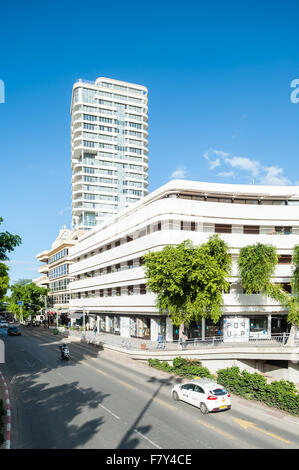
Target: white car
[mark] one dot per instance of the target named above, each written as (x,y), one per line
(204,393)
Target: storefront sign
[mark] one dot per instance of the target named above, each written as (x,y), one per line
(235,329)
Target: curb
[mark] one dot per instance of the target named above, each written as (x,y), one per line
(8,413)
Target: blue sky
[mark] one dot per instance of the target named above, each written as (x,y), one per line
(218,75)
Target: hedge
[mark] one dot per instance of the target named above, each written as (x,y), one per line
(280,394)
(183,367)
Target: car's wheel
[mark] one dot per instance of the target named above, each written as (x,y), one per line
(203,408)
(175,396)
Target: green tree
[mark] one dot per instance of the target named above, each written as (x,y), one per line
(4,280)
(189,280)
(256,266)
(8,243)
(32,297)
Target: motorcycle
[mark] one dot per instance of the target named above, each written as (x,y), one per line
(65,353)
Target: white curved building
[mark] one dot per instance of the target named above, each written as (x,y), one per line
(108,277)
(109,146)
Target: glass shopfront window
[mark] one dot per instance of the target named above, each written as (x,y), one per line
(162,326)
(133,326)
(194,330)
(213,329)
(279,324)
(258,323)
(143,328)
(140,327)
(102,323)
(114,322)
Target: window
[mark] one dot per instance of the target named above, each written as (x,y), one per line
(251,229)
(198,389)
(218,392)
(188,387)
(157,227)
(190,226)
(130,264)
(284,259)
(142,289)
(283,230)
(223,228)
(286,286)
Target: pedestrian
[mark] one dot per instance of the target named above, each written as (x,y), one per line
(95,330)
(160,341)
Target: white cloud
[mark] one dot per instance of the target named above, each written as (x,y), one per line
(271,175)
(179,173)
(212,163)
(274,177)
(244,164)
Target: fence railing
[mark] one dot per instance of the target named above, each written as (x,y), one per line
(278,340)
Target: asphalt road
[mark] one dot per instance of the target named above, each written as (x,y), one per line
(107,401)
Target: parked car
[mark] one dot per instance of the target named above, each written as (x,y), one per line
(204,393)
(14,331)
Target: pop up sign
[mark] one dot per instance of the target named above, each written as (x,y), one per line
(235,329)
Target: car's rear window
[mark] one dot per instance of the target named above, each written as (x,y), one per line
(219,391)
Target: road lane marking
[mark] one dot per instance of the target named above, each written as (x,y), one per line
(247,424)
(213,428)
(124,383)
(94,368)
(164,403)
(147,439)
(109,411)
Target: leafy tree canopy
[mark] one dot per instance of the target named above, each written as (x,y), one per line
(32,297)
(4,280)
(256,266)
(189,280)
(8,243)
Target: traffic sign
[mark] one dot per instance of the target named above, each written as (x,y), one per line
(20,302)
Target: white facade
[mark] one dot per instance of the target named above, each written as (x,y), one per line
(55,270)
(109,145)
(107,272)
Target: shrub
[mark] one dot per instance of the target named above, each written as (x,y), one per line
(280,394)
(182,367)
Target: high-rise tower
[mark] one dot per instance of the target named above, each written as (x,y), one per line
(109,144)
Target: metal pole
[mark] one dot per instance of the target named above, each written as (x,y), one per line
(84,319)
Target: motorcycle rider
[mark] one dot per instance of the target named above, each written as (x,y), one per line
(64,350)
